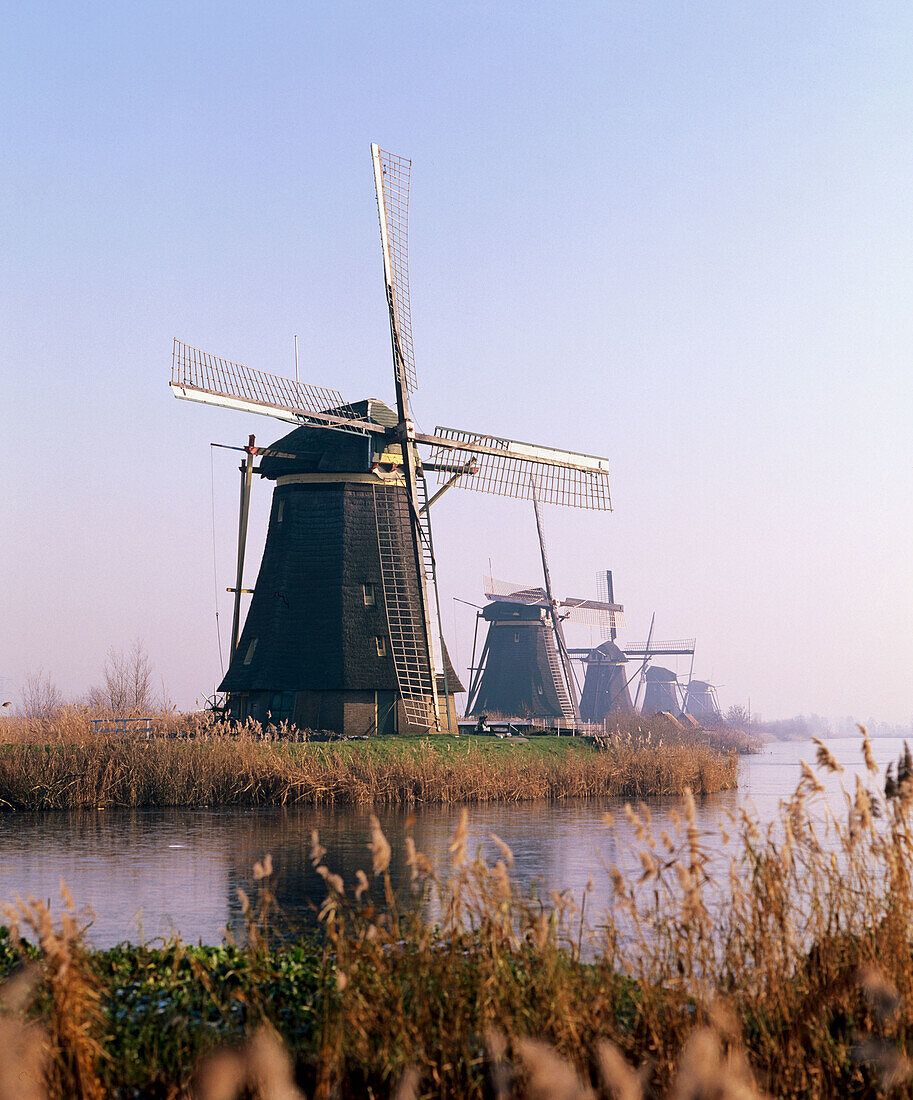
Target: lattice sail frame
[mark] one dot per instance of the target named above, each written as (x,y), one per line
(392,176)
(579,612)
(495,589)
(227,383)
(677,647)
(560,477)
(584,612)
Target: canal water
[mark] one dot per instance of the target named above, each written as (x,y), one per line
(145,875)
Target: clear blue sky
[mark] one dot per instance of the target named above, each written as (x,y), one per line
(677,235)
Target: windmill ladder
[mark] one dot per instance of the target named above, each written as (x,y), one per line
(404,614)
(434,611)
(557,671)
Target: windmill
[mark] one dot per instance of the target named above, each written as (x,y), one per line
(344,630)
(606,690)
(525,668)
(607,686)
(701,701)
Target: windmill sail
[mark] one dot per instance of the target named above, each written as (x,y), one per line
(507,467)
(416,655)
(198,376)
(676,647)
(392,176)
(584,612)
(593,613)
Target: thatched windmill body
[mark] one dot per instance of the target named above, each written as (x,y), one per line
(344,628)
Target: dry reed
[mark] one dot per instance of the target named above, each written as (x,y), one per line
(782,970)
(64,766)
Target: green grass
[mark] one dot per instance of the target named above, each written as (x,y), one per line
(448,748)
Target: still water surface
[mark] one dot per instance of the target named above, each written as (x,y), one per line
(147,874)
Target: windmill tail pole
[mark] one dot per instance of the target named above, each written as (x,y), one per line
(247,470)
(643,667)
(553,610)
(610,589)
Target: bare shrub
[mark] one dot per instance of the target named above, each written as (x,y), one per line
(127,686)
(40,697)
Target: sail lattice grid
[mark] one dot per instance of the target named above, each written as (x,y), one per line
(517,593)
(198,370)
(396,174)
(513,474)
(584,612)
(591,616)
(669,648)
(405,621)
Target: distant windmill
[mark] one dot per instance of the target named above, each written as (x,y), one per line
(663,692)
(701,701)
(607,685)
(525,668)
(344,627)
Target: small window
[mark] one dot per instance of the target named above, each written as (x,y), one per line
(367,592)
(251,650)
(279,511)
(517,636)
(381,643)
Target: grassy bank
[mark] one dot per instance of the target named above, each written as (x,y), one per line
(800,985)
(65,767)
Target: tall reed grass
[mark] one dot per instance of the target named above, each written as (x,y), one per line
(64,766)
(799,984)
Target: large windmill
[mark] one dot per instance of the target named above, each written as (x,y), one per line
(343,630)
(524,670)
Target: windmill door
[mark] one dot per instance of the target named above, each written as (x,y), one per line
(385,712)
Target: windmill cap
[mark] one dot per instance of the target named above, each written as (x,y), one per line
(505,611)
(311,450)
(607,653)
(664,675)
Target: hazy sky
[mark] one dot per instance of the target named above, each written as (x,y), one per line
(677,235)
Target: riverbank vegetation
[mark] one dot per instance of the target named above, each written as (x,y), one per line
(784,970)
(196,760)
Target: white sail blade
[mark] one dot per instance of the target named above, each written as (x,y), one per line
(592,616)
(678,647)
(508,467)
(198,376)
(391,179)
(506,592)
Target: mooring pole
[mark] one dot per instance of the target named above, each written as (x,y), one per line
(247,471)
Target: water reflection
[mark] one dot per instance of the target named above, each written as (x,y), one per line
(149,873)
